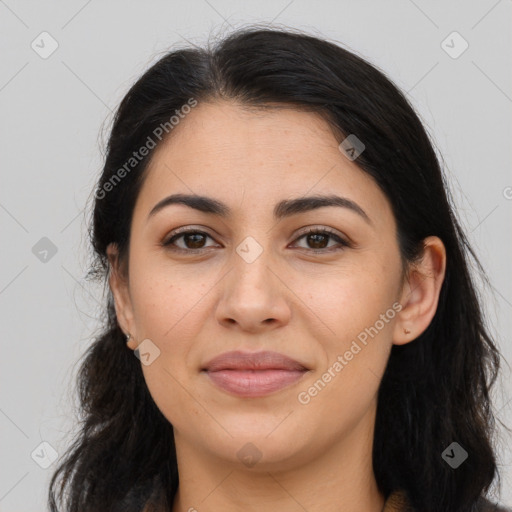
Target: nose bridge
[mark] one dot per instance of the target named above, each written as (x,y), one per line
(251,295)
(251,261)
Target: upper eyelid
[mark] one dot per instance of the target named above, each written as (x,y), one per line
(204,230)
(305,231)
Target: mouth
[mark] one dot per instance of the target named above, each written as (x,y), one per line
(254,383)
(253,374)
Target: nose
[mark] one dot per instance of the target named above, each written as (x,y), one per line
(254,296)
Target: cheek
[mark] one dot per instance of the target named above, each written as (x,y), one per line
(347,302)
(164,314)
(356,356)
(163,298)
(358,310)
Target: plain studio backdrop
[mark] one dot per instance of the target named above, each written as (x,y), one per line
(66,65)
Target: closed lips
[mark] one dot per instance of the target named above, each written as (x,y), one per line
(265,360)
(253,375)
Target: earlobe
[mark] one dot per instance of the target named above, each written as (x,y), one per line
(119,288)
(421,291)
(131,342)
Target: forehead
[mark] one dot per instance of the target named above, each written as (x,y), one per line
(236,153)
(249,131)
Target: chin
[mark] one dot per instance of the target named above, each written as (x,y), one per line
(256,450)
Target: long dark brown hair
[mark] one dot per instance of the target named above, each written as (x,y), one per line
(435,390)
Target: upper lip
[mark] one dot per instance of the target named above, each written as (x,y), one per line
(264,360)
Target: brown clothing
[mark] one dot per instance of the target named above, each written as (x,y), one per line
(398,502)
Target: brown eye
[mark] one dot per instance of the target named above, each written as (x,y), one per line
(318,239)
(192,239)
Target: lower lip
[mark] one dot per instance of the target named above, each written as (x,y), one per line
(254,383)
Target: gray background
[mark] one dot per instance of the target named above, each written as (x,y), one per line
(53,110)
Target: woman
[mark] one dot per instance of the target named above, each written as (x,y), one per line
(288,274)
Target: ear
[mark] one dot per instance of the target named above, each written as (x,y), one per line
(118,281)
(420,293)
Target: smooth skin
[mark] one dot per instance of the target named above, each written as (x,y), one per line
(308,305)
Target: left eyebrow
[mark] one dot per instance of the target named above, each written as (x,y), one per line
(285,208)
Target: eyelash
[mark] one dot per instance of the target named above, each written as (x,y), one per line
(324,231)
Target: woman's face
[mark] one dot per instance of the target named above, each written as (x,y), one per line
(249,280)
